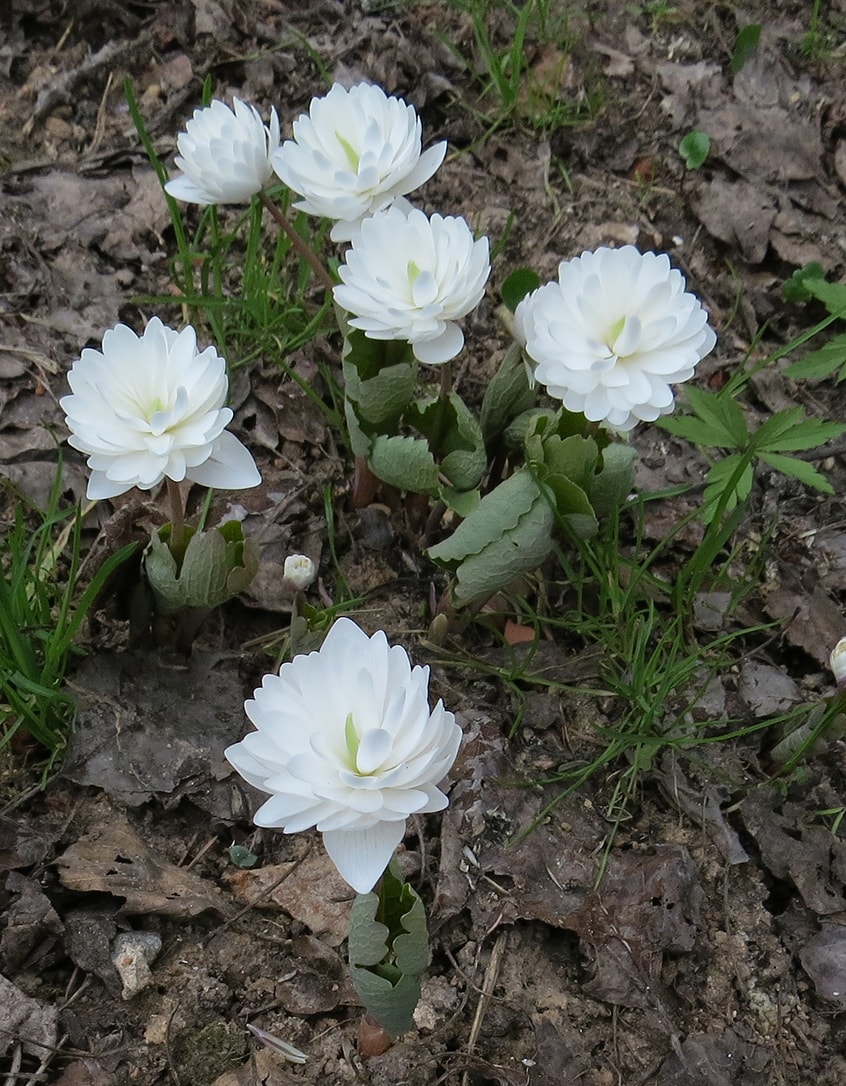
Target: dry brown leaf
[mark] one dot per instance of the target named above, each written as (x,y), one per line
(117,861)
(313,893)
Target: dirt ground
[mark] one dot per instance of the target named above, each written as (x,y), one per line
(712,952)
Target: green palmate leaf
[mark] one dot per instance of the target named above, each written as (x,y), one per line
(527,423)
(390,1001)
(379,378)
(360,442)
(696,430)
(794,288)
(832,295)
(381,399)
(573,505)
(723,414)
(458,436)
(508,534)
(574,457)
(499,511)
(389,951)
(612,484)
(694,148)
(790,431)
(404,462)
(822,362)
(722,482)
(507,395)
(567,465)
(520,283)
(462,502)
(798,469)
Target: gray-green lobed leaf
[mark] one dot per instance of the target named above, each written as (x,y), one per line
(217,565)
(508,534)
(508,394)
(404,462)
(387,966)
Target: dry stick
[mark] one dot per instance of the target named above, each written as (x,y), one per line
(12,1077)
(285,224)
(488,985)
(38,1073)
(60,90)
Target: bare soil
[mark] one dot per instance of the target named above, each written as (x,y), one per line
(713,949)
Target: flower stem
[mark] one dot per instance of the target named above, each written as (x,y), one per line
(441,408)
(177,520)
(305,251)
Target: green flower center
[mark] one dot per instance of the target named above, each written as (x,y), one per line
(352,741)
(614,331)
(352,156)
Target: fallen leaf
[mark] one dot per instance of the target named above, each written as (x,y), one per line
(25,1019)
(515,634)
(117,861)
(312,892)
(809,855)
(738,213)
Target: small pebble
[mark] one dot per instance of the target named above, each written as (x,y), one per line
(132,954)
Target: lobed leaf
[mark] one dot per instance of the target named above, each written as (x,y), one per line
(404,462)
(508,394)
(387,959)
(723,414)
(798,469)
(723,479)
(790,431)
(822,362)
(508,534)
(453,428)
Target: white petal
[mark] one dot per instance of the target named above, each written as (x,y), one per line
(183,188)
(442,348)
(613,333)
(374,748)
(229,467)
(150,406)
(361,856)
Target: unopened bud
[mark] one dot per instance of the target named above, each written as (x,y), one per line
(300,571)
(838,662)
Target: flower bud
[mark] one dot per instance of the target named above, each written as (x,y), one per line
(838,662)
(299,571)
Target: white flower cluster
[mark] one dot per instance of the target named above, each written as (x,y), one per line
(353,158)
(345,738)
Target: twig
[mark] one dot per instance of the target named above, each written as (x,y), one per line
(305,251)
(38,1073)
(12,1076)
(488,985)
(174,1074)
(61,88)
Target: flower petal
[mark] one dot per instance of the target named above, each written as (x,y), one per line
(230,466)
(361,856)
